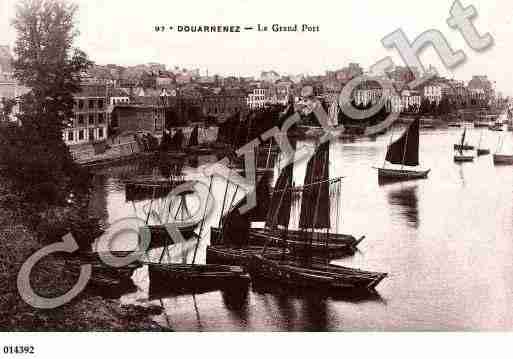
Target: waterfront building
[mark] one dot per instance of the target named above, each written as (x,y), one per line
(138,118)
(90,116)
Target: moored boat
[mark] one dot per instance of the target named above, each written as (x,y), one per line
(314,276)
(404,152)
(499,159)
(196,277)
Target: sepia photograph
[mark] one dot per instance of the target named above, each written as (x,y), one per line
(237,166)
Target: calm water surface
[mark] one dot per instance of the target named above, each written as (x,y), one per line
(446,243)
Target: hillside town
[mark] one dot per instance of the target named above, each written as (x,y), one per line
(153,97)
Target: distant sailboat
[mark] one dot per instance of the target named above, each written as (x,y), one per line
(482,151)
(500,158)
(462,145)
(404,152)
(460,156)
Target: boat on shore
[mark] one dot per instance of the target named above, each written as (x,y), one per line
(454,124)
(404,152)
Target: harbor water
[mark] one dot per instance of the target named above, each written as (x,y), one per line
(446,243)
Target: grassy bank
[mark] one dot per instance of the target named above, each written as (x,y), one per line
(52,278)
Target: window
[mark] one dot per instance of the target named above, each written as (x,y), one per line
(91,119)
(100,103)
(100,133)
(70,136)
(101,118)
(91,134)
(91,103)
(80,104)
(80,120)
(80,135)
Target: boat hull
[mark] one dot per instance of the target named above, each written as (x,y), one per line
(184,278)
(463,148)
(503,159)
(299,243)
(463,158)
(396,174)
(314,276)
(482,152)
(240,256)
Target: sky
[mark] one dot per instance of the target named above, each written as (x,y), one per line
(122,32)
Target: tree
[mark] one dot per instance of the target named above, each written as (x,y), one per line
(47,63)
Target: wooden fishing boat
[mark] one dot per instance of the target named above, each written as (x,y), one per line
(404,152)
(482,151)
(196,277)
(461,156)
(314,276)
(454,124)
(499,159)
(496,127)
(230,243)
(230,255)
(462,146)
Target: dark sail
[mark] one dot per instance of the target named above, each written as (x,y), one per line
(315,200)
(263,198)
(281,202)
(236,226)
(405,151)
(193,140)
(228,128)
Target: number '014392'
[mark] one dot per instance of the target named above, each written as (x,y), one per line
(18,349)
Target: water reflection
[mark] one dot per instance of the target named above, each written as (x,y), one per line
(405,203)
(446,246)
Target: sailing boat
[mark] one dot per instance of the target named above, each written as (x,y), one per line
(501,159)
(195,277)
(319,241)
(404,152)
(459,156)
(482,151)
(230,242)
(306,270)
(462,146)
(510,120)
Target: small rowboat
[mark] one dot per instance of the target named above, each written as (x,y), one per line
(184,278)
(483,151)
(459,157)
(460,147)
(398,174)
(222,254)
